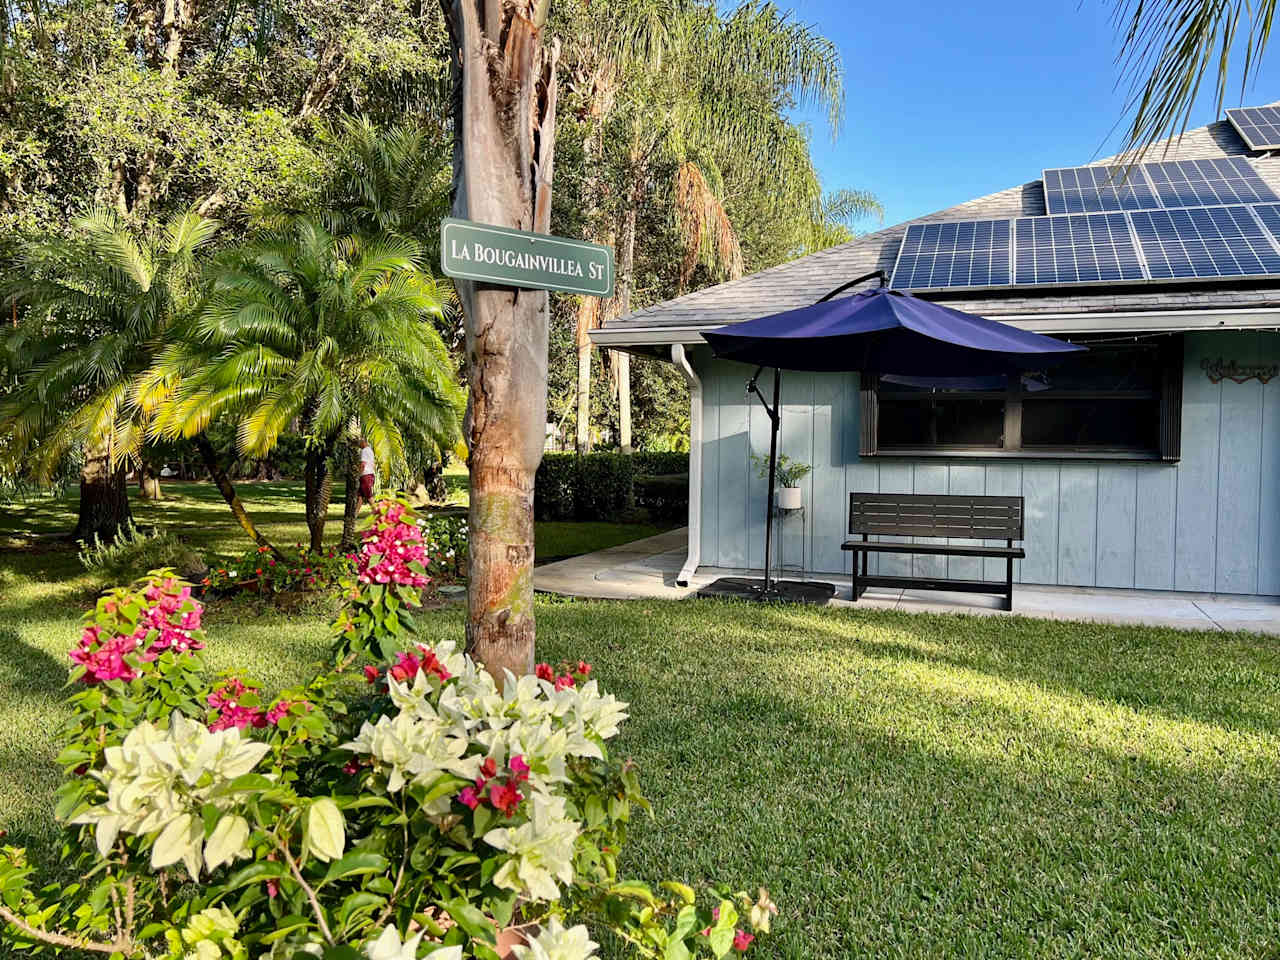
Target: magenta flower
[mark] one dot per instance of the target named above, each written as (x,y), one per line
(468,796)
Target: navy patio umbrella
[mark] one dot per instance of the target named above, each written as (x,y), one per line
(880,331)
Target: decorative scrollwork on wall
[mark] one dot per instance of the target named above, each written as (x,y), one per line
(1221,369)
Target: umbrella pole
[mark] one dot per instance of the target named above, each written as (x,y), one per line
(774,418)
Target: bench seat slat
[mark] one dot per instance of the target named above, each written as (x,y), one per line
(935,549)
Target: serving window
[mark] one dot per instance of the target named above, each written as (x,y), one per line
(1118,400)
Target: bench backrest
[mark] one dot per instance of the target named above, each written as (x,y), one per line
(929,515)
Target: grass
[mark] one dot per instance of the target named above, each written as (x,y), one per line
(197,513)
(906,785)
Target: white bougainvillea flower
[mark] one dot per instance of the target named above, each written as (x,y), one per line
(554,942)
(388,946)
(541,850)
(418,747)
(159,782)
(209,935)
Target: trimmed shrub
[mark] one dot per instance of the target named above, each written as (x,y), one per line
(612,486)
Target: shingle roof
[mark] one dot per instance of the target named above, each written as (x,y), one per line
(803,281)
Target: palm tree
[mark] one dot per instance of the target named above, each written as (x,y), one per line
(94,310)
(306,330)
(681,85)
(1170,46)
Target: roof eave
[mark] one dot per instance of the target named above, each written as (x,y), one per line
(1145,321)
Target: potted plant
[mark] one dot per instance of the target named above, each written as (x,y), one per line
(788,474)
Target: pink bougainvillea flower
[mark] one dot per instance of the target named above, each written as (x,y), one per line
(489,769)
(563,683)
(505,797)
(281,708)
(519,768)
(742,940)
(469,797)
(584,668)
(351,768)
(543,671)
(371,673)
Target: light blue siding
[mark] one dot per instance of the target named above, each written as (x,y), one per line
(1208,523)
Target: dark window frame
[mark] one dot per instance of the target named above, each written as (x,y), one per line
(1169,433)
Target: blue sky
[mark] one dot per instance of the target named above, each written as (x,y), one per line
(948,101)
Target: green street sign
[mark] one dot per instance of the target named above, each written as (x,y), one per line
(514,258)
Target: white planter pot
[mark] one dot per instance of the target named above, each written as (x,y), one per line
(789,498)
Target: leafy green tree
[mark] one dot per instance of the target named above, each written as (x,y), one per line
(94,309)
(308,330)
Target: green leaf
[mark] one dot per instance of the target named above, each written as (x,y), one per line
(471,920)
(633,890)
(676,950)
(358,902)
(355,863)
(686,921)
(258,872)
(681,890)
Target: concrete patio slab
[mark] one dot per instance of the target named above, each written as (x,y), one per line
(648,568)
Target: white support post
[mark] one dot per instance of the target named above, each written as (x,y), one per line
(695,464)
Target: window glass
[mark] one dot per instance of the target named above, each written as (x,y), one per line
(1122,424)
(945,418)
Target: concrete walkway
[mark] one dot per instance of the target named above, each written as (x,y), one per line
(647,568)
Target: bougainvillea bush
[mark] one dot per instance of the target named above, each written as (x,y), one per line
(297,569)
(401,805)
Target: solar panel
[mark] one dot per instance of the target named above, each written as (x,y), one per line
(1207,183)
(1269,214)
(973,253)
(1259,127)
(1097,189)
(1204,242)
(1079,248)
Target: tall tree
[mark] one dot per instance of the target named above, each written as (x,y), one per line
(682,87)
(304,327)
(504,99)
(94,311)
(1171,46)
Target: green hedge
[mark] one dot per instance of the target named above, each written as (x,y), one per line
(612,486)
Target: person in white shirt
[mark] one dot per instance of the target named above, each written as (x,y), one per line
(367,469)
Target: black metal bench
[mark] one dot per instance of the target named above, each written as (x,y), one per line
(926,515)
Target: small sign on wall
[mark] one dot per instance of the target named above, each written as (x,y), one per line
(1220,369)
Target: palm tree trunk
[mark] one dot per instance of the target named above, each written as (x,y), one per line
(104,496)
(626,270)
(588,310)
(149,483)
(351,497)
(504,123)
(319,488)
(223,483)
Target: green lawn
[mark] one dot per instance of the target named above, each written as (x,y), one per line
(906,785)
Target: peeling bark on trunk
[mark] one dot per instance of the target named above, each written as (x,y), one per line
(324,81)
(104,497)
(223,483)
(504,122)
(178,15)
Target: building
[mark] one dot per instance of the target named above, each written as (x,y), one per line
(1152,463)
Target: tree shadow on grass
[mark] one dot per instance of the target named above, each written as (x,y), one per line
(881,837)
(1231,680)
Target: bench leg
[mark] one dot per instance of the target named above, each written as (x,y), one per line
(855,591)
(1008,583)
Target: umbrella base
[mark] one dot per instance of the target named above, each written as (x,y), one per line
(780,591)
